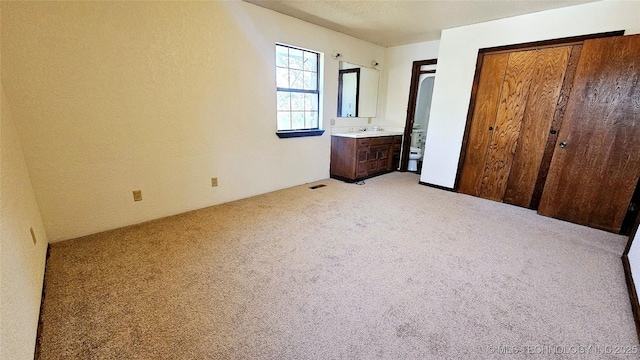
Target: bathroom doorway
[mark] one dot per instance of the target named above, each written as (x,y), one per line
(418,110)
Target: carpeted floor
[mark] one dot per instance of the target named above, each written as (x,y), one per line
(386,270)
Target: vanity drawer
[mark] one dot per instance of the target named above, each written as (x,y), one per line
(382,140)
(363,142)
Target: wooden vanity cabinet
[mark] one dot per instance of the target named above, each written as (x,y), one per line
(354,159)
(395,152)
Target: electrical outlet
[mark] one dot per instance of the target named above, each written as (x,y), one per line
(137,195)
(214,182)
(33,235)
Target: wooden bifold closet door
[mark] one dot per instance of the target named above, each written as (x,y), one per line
(514,111)
(558,129)
(596,162)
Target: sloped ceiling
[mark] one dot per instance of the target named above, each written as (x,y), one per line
(391,23)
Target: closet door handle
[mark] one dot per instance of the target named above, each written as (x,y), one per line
(563,144)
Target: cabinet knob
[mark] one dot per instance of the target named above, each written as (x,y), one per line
(563,144)
(553,132)
(490,128)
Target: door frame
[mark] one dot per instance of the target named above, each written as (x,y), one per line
(411,108)
(341,84)
(574,40)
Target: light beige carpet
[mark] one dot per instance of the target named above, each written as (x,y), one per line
(387,270)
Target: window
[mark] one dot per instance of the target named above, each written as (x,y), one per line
(297,90)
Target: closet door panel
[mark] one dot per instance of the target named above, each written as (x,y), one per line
(513,99)
(484,116)
(556,124)
(592,178)
(547,80)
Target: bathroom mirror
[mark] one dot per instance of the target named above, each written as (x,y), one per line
(357,90)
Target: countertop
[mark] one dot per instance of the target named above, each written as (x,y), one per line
(366,134)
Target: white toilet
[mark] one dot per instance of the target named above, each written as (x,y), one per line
(415,154)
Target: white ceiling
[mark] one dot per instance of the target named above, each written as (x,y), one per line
(391,23)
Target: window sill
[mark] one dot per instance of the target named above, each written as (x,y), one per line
(298,133)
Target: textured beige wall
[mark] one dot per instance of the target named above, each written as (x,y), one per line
(109,97)
(21,262)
